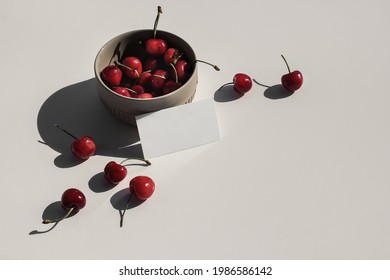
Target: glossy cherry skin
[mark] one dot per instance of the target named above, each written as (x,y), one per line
(150,64)
(83,147)
(142,186)
(170,86)
(73,198)
(144,79)
(122,91)
(292,81)
(138,89)
(181,69)
(135,66)
(171,56)
(114,172)
(112,75)
(155,47)
(158,79)
(242,83)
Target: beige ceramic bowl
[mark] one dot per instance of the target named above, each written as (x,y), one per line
(126,108)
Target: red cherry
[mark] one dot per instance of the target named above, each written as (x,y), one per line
(242,83)
(292,81)
(111,75)
(144,79)
(142,186)
(181,66)
(138,89)
(132,67)
(158,79)
(170,86)
(156,47)
(122,91)
(171,56)
(115,173)
(83,147)
(72,200)
(151,64)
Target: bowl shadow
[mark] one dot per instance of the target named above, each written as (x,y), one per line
(78,109)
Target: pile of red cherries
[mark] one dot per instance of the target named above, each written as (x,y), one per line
(164,69)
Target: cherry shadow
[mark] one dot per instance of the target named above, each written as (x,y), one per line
(277,91)
(78,109)
(53,211)
(122,201)
(226,94)
(119,200)
(99,184)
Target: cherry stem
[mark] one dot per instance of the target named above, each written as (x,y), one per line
(129,89)
(67,132)
(174,69)
(285,61)
(212,65)
(124,211)
(159,11)
(141,159)
(260,84)
(160,76)
(127,67)
(59,220)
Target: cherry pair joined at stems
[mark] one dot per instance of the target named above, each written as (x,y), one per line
(292,81)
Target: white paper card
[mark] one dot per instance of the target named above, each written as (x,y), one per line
(178,128)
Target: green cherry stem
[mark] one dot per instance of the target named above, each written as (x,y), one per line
(124,211)
(159,11)
(59,220)
(174,70)
(141,159)
(285,61)
(127,67)
(67,132)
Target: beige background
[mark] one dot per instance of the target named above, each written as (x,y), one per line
(301,177)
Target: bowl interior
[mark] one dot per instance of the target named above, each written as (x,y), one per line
(132,44)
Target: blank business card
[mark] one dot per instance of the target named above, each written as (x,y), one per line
(178,128)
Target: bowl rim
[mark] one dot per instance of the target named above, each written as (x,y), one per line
(98,78)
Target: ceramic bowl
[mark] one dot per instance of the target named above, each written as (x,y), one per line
(131,43)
